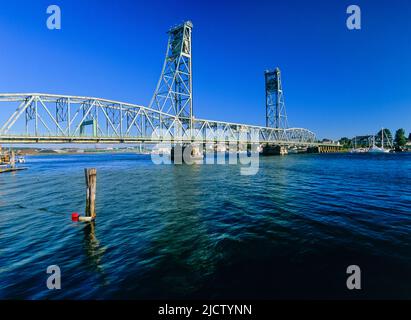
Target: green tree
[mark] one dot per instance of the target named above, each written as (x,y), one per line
(387,137)
(387,134)
(345,142)
(400,139)
(409,137)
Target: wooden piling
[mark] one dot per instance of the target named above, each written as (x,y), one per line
(91,184)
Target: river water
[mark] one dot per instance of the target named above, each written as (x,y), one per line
(205,231)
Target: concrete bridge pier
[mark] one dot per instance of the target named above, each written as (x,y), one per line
(270,150)
(253,147)
(188,153)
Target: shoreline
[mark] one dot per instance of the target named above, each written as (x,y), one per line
(80,153)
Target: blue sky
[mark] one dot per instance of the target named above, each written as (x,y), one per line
(336,82)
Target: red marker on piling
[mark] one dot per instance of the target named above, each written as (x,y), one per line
(90,198)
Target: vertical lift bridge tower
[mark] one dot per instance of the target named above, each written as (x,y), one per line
(276,116)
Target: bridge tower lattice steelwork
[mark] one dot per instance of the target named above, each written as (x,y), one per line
(276,116)
(173,94)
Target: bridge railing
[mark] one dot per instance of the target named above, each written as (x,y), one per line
(46,117)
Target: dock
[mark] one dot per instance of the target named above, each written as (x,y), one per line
(8,162)
(4,170)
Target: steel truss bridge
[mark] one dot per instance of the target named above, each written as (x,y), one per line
(50,118)
(67,119)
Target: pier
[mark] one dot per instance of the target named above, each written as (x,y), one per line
(325,148)
(8,161)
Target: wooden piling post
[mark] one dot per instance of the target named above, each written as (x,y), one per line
(91,183)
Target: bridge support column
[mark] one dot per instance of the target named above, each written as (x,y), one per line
(269,150)
(187,153)
(313,150)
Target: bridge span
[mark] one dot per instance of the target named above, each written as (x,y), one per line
(51,119)
(69,119)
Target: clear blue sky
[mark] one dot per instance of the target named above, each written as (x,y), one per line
(336,82)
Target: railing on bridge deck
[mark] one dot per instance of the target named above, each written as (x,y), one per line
(48,118)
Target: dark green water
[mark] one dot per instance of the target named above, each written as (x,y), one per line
(205,231)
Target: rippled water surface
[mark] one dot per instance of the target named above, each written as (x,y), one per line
(205,231)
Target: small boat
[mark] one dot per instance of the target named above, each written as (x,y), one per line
(161,151)
(293,150)
(358,150)
(20,159)
(375,149)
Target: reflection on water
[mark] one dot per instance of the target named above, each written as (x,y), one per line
(94,251)
(205,231)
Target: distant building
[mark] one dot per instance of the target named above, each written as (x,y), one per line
(328,141)
(362,141)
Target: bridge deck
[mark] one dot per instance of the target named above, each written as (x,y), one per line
(50,118)
(133,140)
